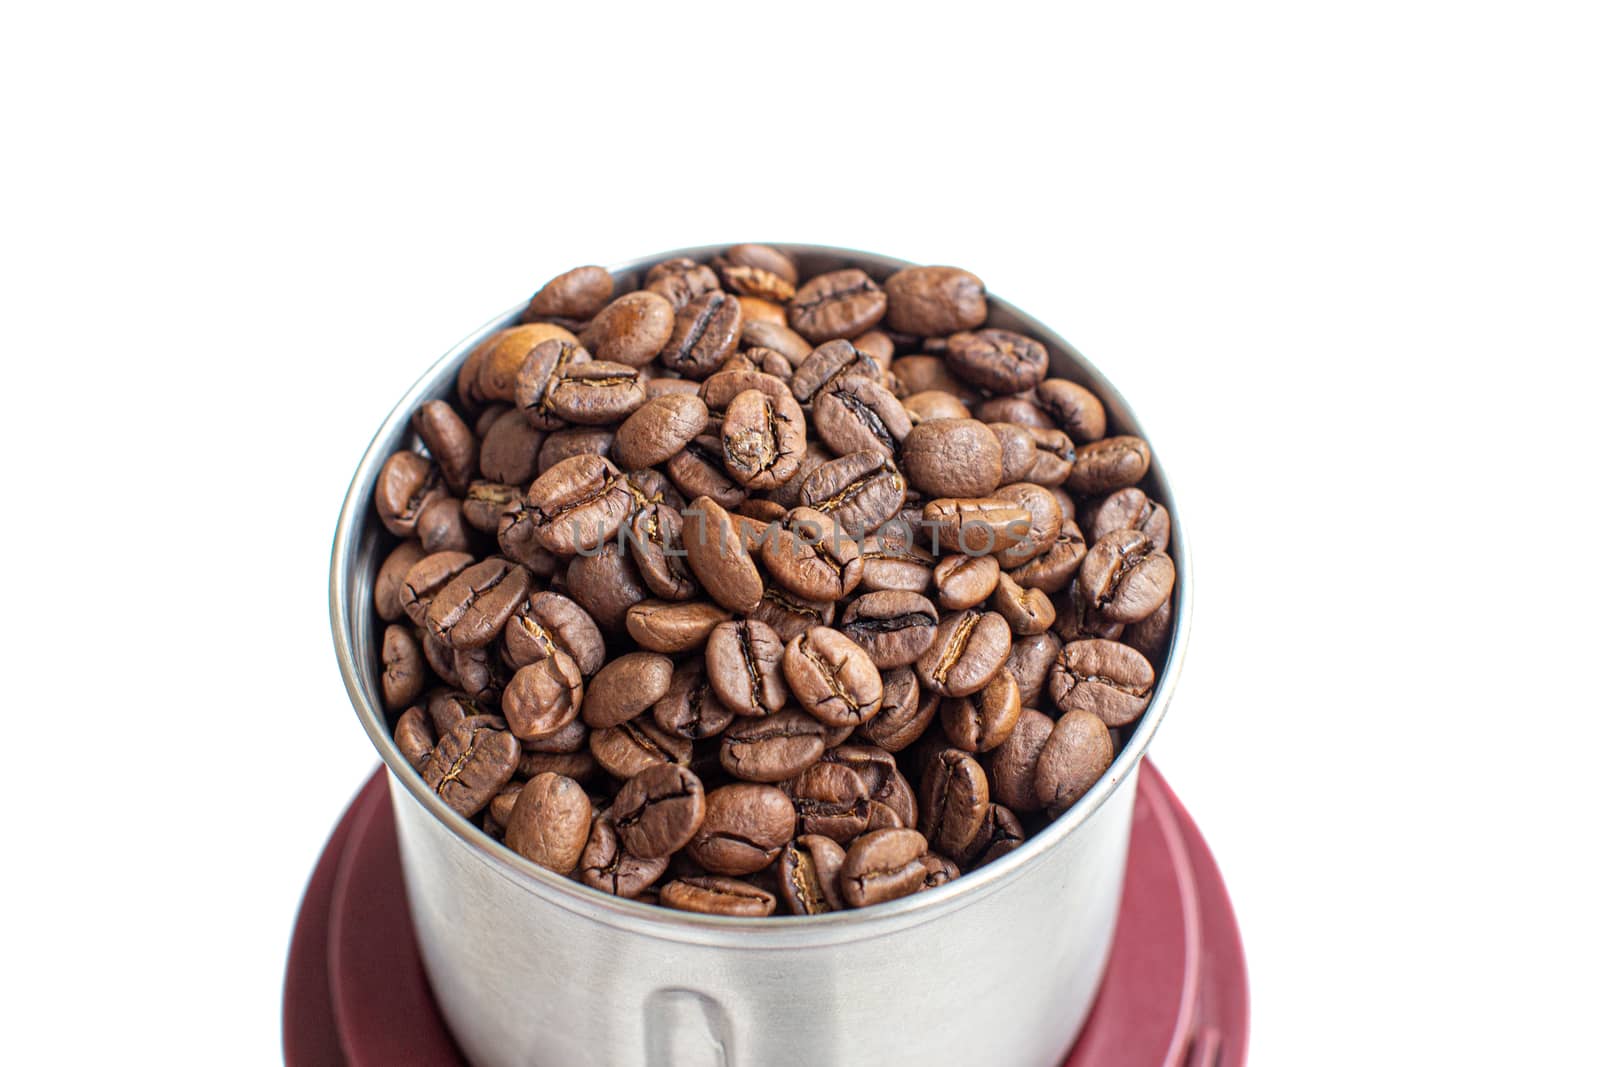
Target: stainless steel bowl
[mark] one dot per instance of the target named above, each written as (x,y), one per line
(999,966)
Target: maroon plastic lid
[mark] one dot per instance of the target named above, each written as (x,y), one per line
(1175,992)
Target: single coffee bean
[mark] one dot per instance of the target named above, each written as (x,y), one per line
(404,670)
(1051,571)
(414,737)
(861,491)
(543,697)
(1131,509)
(881,866)
(473,608)
(894,627)
(578,294)
(982,722)
(625,750)
(763,438)
(659,810)
(965,581)
(891,560)
(483,672)
(744,666)
(698,471)
(711,895)
(830,363)
(503,360)
(952,457)
(631,329)
(581,767)
(938,870)
(470,765)
(745,828)
(1073,408)
(808,875)
(426,578)
(486,504)
(841,303)
(1073,758)
(510,452)
(832,677)
(449,708)
(704,335)
(968,648)
(549,824)
(1125,577)
(573,737)
(1015,765)
(680,280)
(999,361)
(1053,459)
(390,580)
(607,866)
(691,708)
(1105,677)
(831,800)
(1000,834)
(921,373)
(659,430)
(578,504)
(1076,618)
(854,414)
(625,687)
(449,441)
(575,441)
(442,528)
(812,557)
(1044,522)
(933,405)
(905,714)
(406,485)
(757,270)
(954,801)
(1029,663)
(935,301)
(538,376)
(1027,611)
(607,584)
(549,622)
(790,615)
(441,658)
(1149,635)
(718,557)
(1109,464)
(1018,450)
(977,527)
(775,337)
(772,749)
(595,393)
(663,626)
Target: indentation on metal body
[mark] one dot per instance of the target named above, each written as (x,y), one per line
(683,1028)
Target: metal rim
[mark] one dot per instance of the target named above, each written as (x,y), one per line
(661,922)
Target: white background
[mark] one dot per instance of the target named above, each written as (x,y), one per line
(1342,258)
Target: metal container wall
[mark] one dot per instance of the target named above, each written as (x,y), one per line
(1000,965)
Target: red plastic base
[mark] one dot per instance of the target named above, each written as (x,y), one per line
(1175,993)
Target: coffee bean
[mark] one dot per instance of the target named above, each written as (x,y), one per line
(763,438)
(1051,571)
(549,622)
(1124,577)
(861,491)
(404,669)
(483,673)
(757,270)
(954,801)
(1109,464)
(1027,611)
(809,555)
(510,452)
(549,824)
(704,334)
(470,765)
(1014,767)
(830,799)
(659,810)
(442,528)
(775,337)
(630,747)
(832,677)
(1073,408)
(449,441)
(577,294)
(605,865)
(414,737)
(711,895)
(595,393)
(1000,834)
(1029,663)
(655,541)
(390,580)
(718,557)
(698,471)
(1044,522)
(894,627)
(1131,509)
(631,329)
(982,722)
(573,737)
(968,648)
(952,457)
(881,866)
(745,828)
(808,875)
(680,280)
(965,581)
(841,303)
(1149,635)
(790,615)
(856,414)
(448,708)
(662,626)
(538,376)
(577,441)
(744,667)
(999,361)
(607,584)
(472,609)
(691,708)
(938,870)
(441,658)
(426,578)
(772,749)
(1075,755)
(977,527)
(830,363)
(486,504)
(543,697)
(578,504)
(1076,619)
(891,560)
(1105,677)
(406,484)
(625,687)
(935,301)
(502,362)
(933,405)
(659,430)
(905,713)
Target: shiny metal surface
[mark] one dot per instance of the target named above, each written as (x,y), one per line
(529,968)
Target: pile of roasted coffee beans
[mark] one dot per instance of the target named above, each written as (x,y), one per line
(747,591)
